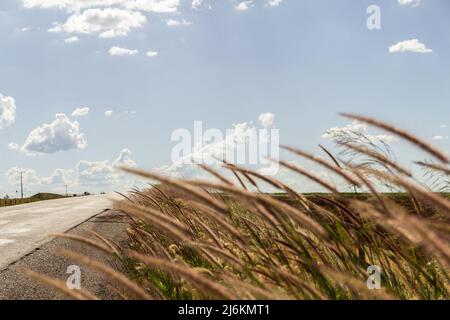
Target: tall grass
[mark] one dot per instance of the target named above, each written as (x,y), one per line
(214,239)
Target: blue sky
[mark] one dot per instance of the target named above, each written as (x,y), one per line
(221,62)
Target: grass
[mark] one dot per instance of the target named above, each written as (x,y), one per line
(217,239)
(35,198)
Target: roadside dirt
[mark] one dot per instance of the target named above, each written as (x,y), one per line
(16,286)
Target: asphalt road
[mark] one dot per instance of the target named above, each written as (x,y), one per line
(26,227)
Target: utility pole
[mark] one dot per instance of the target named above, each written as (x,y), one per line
(66,190)
(21,184)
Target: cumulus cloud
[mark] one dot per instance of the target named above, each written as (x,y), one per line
(72,5)
(266,119)
(58,177)
(151,54)
(85,174)
(118,51)
(412,45)
(28,175)
(244,144)
(244,6)
(80,112)
(160,6)
(358,131)
(7,111)
(413,3)
(108,23)
(105,173)
(60,135)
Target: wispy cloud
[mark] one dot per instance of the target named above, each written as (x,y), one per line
(412,3)
(72,39)
(80,112)
(412,45)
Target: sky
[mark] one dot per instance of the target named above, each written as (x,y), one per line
(86,85)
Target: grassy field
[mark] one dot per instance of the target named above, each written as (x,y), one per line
(187,240)
(35,198)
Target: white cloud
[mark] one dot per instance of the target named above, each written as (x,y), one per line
(200,4)
(231,146)
(72,39)
(244,6)
(28,176)
(160,6)
(274,3)
(266,119)
(196,4)
(80,112)
(60,135)
(105,173)
(95,173)
(7,111)
(85,174)
(109,113)
(108,23)
(13,146)
(177,23)
(412,45)
(118,51)
(124,159)
(413,3)
(73,5)
(357,130)
(440,138)
(59,177)
(151,54)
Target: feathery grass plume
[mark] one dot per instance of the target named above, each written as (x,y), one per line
(202,195)
(195,278)
(113,246)
(294,213)
(94,244)
(107,271)
(435,166)
(309,175)
(401,133)
(61,286)
(335,168)
(377,156)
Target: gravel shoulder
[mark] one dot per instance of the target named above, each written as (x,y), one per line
(16,286)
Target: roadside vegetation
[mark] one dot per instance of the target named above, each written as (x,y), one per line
(217,239)
(5,202)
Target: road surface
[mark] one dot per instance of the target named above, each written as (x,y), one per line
(24,228)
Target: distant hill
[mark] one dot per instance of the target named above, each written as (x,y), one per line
(45,196)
